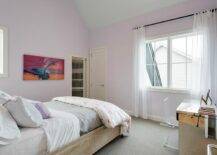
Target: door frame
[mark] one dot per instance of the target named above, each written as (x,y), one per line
(106,69)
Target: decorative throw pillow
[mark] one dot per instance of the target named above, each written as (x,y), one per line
(4,97)
(43,110)
(8,127)
(41,107)
(25,113)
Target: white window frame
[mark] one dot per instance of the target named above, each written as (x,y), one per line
(169,88)
(5,52)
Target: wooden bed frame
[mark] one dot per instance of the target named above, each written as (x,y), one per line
(91,142)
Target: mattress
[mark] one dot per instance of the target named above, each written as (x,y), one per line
(89,119)
(32,142)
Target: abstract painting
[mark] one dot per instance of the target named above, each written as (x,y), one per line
(42,68)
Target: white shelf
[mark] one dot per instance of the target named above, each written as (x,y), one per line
(77,88)
(77,79)
(77,70)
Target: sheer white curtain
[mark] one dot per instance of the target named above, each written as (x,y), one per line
(140,79)
(204,66)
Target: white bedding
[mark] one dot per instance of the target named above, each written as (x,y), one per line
(8,127)
(110,115)
(56,132)
(64,128)
(61,129)
(31,142)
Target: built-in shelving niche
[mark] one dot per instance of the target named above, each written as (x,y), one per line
(79,77)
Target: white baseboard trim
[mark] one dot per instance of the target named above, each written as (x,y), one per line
(150,117)
(161,120)
(156,118)
(130,113)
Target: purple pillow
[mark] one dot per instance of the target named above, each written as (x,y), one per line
(43,110)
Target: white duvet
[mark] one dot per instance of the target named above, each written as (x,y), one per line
(61,129)
(110,114)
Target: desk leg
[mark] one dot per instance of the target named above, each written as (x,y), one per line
(192,140)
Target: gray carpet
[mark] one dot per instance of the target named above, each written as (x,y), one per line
(146,138)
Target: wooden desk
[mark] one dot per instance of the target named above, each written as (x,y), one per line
(188,113)
(192,139)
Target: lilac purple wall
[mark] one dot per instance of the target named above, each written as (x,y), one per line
(118,39)
(41,27)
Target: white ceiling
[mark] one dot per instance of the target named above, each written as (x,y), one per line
(98,13)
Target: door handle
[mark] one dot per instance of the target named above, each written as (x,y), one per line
(102,85)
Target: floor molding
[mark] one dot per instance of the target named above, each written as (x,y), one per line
(156,118)
(150,117)
(130,113)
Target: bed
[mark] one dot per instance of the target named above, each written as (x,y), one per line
(94,135)
(88,118)
(91,142)
(33,142)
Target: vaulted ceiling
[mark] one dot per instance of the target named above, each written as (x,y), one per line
(98,13)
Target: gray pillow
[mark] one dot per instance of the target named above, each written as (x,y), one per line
(25,113)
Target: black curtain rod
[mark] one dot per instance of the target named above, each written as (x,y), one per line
(164,21)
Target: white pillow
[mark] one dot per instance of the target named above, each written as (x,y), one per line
(25,113)
(4,97)
(8,127)
(41,107)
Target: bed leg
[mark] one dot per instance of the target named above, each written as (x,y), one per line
(121,136)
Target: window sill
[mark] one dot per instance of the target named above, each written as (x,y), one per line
(169,90)
(3,75)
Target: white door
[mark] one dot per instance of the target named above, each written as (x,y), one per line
(98,73)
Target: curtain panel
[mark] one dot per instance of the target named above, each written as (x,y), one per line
(204,71)
(140,79)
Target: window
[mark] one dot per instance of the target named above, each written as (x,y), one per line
(168,61)
(3,52)
(157,62)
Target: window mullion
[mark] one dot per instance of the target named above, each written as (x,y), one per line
(169,60)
